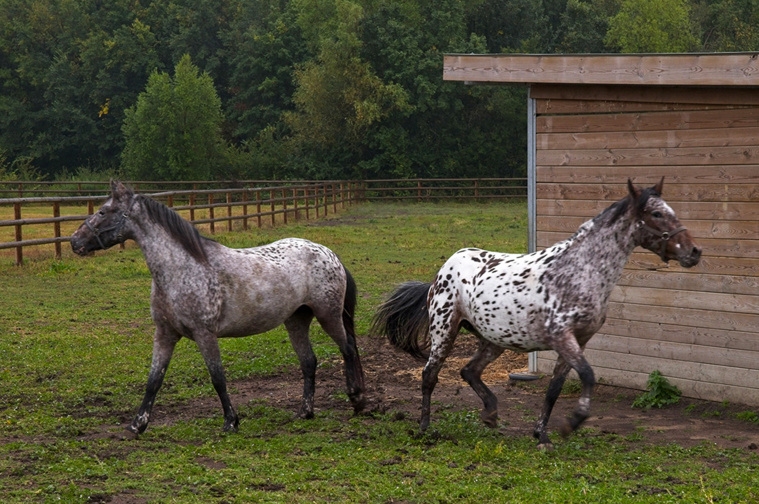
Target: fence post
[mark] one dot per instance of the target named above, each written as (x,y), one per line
(245,196)
(334,198)
(326,200)
(19,249)
(476,190)
(192,207)
(305,199)
(229,211)
(57,228)
(271,204)
(258,206)
(295,202)
(211,212)
(284,205)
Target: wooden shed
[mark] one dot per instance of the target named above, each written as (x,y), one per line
(595,120)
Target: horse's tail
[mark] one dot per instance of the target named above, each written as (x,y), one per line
(404,319)
(349,305)
(349,310)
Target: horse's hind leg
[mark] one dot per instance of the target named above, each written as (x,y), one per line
(164,341)
(442,336)
(354,374)
(208,345)
(297,327)
(472,373)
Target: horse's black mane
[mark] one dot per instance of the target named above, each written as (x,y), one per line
(182,230)
(620,208)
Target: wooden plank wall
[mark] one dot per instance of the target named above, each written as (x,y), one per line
(699,326)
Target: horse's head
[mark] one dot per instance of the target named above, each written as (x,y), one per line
(106,227)
(658,229)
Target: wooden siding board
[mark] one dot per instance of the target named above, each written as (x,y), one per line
(692,317)
(725,249)
(640,139)
(739,69)
(651,121)
(682,156)
(641,175)
(711,301)
(673,351)
(742,230)
(725,340)
(613,375)
(673,192)
(709,210)
(673,369)
(554,97)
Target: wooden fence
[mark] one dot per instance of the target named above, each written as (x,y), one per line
(237,205)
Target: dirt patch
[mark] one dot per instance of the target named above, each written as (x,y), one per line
(393,382)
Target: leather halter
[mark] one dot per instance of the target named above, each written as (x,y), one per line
(663,236)
(118,227)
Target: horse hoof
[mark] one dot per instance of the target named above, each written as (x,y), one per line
(566,428)
(305,415)
(136,428)
(231,426)
(358,405)
(490,419)
(546,447)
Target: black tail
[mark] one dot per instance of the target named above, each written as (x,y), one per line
(349,306)
(404,319)
(356,387)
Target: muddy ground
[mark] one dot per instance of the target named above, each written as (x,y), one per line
(393,384)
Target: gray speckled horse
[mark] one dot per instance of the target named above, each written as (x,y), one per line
(552,299)
(203,290)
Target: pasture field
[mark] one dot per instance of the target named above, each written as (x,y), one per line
(75,348)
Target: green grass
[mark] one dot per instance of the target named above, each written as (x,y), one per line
(75,344)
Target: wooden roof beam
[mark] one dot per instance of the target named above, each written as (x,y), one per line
(714,69)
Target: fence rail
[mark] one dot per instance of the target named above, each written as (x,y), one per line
(203,204)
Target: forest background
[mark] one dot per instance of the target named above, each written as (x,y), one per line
(301,89)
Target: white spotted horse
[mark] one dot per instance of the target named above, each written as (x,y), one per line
(203,291)
(552,299)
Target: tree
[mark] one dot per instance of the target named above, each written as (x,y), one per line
(732,25)
(174,130)
(584,24)
(658,26)
(338,96)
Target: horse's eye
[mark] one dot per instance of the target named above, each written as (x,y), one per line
(656,214)
(100,212)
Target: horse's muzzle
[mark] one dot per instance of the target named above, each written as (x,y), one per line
(691,259)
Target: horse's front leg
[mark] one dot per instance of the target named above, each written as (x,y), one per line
(208,345)
(560,371)
(570,356)
(164,341)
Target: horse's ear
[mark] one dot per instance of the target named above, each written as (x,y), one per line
(634,191)
(658,187)
(119,190)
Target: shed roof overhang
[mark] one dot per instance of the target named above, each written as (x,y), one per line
(713,69)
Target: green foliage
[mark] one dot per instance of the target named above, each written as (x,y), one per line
(731,25)
(659,26)
(659,393)
(173,133)
(313,89)
(748,416)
